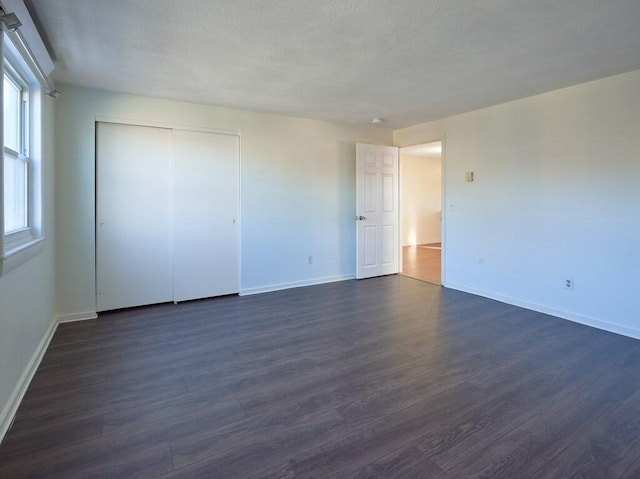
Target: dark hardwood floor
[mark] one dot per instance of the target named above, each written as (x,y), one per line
(386,377)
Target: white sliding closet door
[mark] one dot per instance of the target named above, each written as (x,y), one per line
(167,215)
(206,205)
(134,245)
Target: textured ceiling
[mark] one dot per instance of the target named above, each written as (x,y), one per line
(407,61)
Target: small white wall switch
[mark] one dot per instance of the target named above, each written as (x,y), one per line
(468,176)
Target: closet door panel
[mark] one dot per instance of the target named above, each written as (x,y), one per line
(133,216)
(206,207)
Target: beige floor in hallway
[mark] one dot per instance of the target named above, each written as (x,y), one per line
(422,262)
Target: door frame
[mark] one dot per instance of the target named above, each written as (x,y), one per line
(443,229)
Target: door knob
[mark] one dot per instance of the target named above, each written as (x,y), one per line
(360,218)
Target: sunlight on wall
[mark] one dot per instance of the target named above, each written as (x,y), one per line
(412,237)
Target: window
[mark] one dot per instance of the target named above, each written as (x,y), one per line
(16,156)
(20,196)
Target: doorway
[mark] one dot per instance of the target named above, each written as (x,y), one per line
(421,211)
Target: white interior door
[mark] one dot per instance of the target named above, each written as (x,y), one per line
(206,229)
(133,230)
(377,233)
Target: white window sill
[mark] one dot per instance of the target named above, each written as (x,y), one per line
(18,255)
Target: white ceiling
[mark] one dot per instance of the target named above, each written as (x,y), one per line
(407,61)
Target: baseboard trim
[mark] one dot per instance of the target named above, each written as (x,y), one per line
(71,318)
(296,284)
(576,318)
(11,408)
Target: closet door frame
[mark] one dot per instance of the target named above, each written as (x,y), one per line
(172,126)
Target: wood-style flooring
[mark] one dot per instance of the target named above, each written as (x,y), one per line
(386,377)
(422,262)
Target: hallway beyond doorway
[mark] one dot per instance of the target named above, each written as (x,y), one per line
(422,262)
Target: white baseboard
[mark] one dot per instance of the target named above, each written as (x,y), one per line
(296,284)
(576,318)
(70,318)
(10,409)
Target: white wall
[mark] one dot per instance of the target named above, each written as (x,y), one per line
(27,293)
(298,190)
(420,199)
(556,195)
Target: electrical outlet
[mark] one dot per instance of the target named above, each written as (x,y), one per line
(310,260)
(568,283)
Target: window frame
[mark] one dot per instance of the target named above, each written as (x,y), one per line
(19,246)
